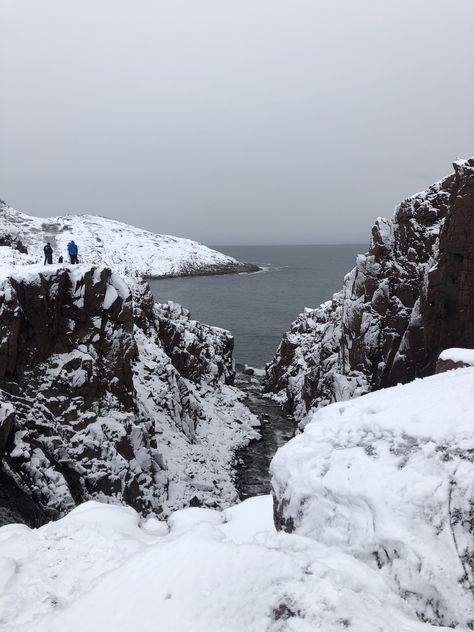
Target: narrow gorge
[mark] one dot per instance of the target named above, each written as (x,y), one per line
(137,459)
(108,394)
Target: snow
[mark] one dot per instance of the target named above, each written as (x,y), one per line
(455,354)
(377,494)
(102,569)
(111,296)
(127,250)
(388,479)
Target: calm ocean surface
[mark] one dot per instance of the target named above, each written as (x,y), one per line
(258,308)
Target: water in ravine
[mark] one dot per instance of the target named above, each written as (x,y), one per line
(257,309)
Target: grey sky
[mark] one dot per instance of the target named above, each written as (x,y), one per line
(243,121)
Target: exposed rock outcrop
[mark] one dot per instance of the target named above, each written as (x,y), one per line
(410,297)
(13,242)
(7,420)
(114,397)
(448,304)
(193,358)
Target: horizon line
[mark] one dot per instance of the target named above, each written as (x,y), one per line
(339,243)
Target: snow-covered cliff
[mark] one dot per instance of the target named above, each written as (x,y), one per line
(410,297)
(114,397)
(109,243)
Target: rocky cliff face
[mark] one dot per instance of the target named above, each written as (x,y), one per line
(448,303)
(408,298)
(107,395)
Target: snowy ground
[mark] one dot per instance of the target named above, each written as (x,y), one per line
(377,494)
(389,479)
(127,250)
(103,569)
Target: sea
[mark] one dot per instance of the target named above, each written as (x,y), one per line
(258,308)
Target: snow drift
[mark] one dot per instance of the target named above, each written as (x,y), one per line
(388,479)
(104,569)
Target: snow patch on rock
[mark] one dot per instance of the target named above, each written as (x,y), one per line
(464,356)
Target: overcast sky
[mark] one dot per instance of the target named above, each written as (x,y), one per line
(233,121)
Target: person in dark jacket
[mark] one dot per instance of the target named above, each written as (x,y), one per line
(72,250)
(48,254)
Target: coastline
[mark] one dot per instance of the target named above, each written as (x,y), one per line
(237,268)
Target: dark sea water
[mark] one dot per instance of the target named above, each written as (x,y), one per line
(258,308)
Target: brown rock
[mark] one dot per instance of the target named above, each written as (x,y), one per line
(448,365)
(448,307)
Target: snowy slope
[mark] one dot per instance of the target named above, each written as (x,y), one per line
(103,569)
(388,478)
(106,242)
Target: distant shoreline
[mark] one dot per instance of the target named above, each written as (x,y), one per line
(236,268)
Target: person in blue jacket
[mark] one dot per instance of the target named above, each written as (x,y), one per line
(72,250)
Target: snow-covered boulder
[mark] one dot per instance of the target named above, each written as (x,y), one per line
(388,478)
(114,397)
(454,358)
(407,299)
(127,250)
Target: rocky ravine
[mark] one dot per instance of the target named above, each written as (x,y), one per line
(410,297)
(107,395)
